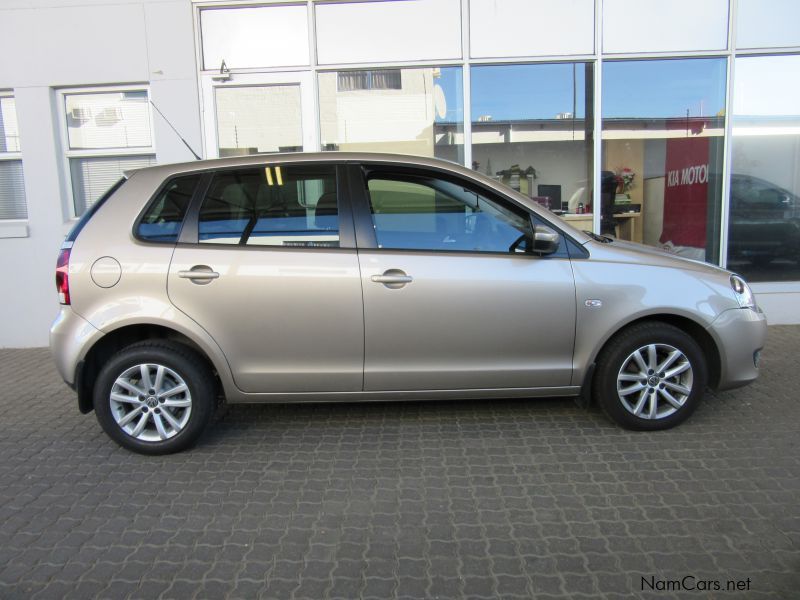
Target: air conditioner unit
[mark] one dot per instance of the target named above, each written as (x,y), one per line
(81,114)
(109,116)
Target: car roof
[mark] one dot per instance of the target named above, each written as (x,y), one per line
(158,173)
(295,157)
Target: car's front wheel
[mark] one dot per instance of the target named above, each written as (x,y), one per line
(650,376)
(154,397)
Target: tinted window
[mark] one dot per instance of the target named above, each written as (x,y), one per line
(162,221)
(272,206)
(432,214)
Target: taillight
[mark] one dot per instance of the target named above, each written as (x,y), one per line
(62,276)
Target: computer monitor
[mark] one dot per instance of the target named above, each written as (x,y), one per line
(551,191)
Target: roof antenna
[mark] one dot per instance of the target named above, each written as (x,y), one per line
(176,131)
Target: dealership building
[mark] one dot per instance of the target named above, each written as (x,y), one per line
(685,114)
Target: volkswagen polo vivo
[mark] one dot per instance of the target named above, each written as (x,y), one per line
(337,276)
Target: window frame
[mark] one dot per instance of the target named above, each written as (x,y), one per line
(68,154)
(189,232)
(16,155)
(365,230)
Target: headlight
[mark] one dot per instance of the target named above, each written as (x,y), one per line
(743,292)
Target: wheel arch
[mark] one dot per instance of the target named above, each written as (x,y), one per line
(109,344)
(695,330)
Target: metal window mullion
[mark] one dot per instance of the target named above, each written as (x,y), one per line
(517,60)
(727,140)
(666,55)
(365,66)
(778,51)
(466,84)
(597,205)
(223,4)
(312,59)
(401,64)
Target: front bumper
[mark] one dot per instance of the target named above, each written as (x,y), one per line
(740,334)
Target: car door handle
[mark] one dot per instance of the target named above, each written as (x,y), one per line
(393,278)
(198,272)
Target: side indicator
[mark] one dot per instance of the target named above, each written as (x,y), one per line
(594,303)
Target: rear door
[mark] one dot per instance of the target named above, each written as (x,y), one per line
(267,265)
(452,297)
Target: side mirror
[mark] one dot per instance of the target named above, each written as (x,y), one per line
(545,240)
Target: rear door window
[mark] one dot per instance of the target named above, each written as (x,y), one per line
(289,206)
(163,219)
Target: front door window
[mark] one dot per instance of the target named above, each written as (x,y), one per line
(434,214)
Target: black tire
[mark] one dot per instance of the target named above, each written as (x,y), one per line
(619,353)
(183,362)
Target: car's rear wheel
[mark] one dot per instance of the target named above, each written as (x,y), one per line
(650,376)
(154,397)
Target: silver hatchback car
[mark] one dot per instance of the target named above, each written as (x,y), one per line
(347,277)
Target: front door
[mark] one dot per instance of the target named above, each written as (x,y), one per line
(453,297)
(269,269)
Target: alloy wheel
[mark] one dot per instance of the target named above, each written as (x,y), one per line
(150,402)
(655,381)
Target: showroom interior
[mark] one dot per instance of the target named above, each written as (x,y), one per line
(676,125)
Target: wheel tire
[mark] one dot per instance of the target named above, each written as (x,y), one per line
(191,408)
(618,373)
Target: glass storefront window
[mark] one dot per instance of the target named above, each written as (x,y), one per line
(764,223)
(387,31)
(657,26)
(767,23)
(410,111)
(663,130)
(258,119)
(530,130)
(246,37)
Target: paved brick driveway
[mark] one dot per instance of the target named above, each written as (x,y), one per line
(469,499)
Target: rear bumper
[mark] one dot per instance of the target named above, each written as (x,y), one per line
(741,334)
(70,335)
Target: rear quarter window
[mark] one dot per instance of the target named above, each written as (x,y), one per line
(163,218)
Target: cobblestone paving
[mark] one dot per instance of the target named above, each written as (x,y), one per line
(489,499)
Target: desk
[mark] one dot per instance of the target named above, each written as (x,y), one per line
(629,228)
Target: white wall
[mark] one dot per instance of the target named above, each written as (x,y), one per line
(66,43)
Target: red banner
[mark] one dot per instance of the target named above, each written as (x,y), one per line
(686,192)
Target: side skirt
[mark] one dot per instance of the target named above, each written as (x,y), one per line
(393,396)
